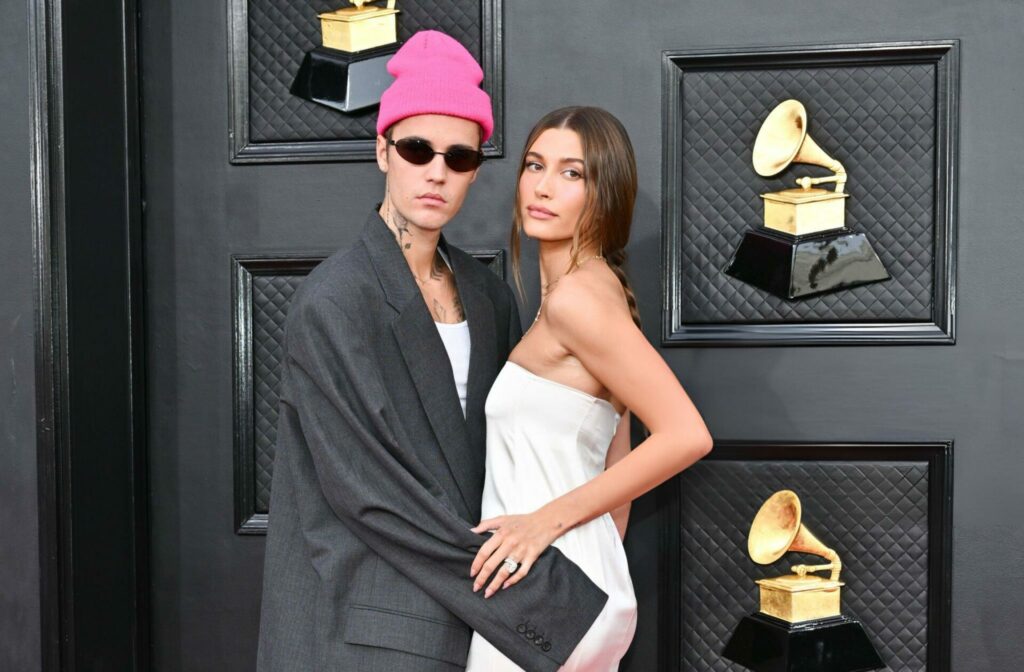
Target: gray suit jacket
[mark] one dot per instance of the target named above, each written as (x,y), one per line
(378,478)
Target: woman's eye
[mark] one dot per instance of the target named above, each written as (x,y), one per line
(572,173)
(533,166)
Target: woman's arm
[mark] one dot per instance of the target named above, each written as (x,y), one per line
(589,318)
(618,449)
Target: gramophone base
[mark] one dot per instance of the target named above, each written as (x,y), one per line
(797,599)
(794,267)
(765,644)
(342,80)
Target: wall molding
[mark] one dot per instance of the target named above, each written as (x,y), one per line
(244,150)
(940,328)
(91,449)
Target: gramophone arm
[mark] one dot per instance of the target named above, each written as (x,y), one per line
(839,178)
(835,565)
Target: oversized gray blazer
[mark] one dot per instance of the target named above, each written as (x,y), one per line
(378,478)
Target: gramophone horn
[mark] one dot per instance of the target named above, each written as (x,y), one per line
(780,138)
(777,529)
(783,140)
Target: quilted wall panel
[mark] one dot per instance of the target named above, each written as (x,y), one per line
(265,287)
(874,514)
(877,120)
(888,112)
(282,31)
(271,296)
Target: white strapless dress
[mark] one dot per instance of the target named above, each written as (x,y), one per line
(543,440)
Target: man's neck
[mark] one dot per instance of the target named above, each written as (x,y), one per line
(419,246)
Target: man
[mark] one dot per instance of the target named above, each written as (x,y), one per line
(379,470)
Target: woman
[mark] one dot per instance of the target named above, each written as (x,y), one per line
(559,466)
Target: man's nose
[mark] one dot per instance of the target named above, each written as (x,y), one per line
(437,169)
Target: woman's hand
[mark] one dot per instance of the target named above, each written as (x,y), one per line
(520,537)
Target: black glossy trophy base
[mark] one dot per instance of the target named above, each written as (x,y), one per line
(766,644)
(344,81)
(794,267)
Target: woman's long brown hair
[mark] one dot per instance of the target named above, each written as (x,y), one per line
(611,184)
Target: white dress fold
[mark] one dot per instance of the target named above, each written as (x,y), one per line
(543,440)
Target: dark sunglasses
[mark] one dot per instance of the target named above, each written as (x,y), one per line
(420,153)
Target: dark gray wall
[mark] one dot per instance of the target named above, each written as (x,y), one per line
(19,558)
(201,210)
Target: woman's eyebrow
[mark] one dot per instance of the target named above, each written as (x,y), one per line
(566,159)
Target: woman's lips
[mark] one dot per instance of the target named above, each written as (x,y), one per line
(539,212)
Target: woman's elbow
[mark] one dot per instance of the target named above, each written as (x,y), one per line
(701,444)
(692,446)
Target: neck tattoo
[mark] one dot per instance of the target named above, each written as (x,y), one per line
(398,223)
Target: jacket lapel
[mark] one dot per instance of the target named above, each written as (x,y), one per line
(428,365)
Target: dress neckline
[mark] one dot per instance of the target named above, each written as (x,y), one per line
(570,388)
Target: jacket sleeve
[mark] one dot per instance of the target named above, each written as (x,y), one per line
(368,474)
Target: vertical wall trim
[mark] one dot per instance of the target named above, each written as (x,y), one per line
(134,297)
(46,121)
(60,616)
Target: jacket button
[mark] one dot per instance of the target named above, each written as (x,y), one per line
(521,628)
(546,646)
(539,641)
(531,634)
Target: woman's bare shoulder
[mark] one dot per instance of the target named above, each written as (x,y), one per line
(588,299)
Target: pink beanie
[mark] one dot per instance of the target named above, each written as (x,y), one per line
(434,74)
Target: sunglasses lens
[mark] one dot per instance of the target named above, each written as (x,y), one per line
(414,151)
(462,160)
(420,152)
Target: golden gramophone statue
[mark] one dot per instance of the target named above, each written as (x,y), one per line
(804,247)
(349,71)
(800,625)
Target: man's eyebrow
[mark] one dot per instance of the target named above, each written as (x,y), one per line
(456,145)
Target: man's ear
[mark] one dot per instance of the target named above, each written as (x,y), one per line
(382,153)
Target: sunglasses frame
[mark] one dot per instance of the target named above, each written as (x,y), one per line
(447,154)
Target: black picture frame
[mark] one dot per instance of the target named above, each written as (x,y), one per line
(940,328)
(244,150)
(938,455)
(250,518)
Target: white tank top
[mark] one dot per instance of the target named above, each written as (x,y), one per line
(456,341)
